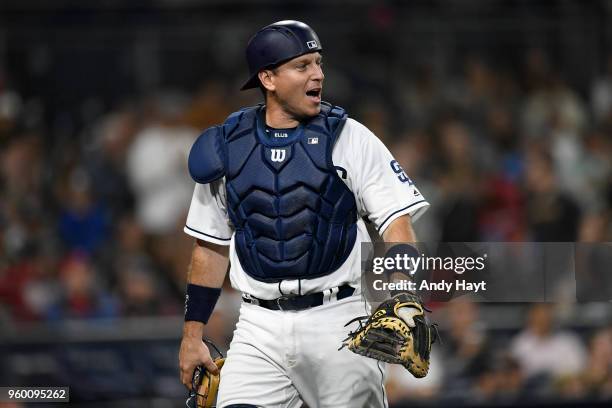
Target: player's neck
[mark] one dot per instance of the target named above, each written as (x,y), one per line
(278,118)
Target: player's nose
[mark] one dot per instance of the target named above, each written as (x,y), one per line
(318,74)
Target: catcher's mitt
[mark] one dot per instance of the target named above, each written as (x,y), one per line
(387,337)
(204,385)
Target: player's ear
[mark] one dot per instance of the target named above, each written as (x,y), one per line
(266,77)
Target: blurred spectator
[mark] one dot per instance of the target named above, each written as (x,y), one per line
(143,289)
(209,107)
(553,105)
(83,221)
(106,159)
(29,287)
(403,389)
(539,347)
(140,294)
(43,288)
(157,166)
(597,375)
(593,281)
(587,168)
(601,94)
(21,166)
(501,381)
(501,131)
(474,92)
(457,178)
(83,293)
(466,348)
(375,116)
(501,214)
(22,202)
(10,106)
(537,68)
(595,227)
(421,97)
(131,240)
(552,214)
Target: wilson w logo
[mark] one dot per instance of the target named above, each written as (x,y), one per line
(278,155)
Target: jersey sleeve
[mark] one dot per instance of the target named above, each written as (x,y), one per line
(382,189)
(207,218)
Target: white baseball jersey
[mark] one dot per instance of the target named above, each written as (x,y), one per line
(383,192)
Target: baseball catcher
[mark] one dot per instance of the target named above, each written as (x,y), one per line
(397,332)
(282,191)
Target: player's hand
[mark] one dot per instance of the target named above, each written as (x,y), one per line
(192,354)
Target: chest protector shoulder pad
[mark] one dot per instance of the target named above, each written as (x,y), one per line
(294,217)
(208,155)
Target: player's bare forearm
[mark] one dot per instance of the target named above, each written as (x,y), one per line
(400,230)
(208,267)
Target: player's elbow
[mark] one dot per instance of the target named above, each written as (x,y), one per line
(221,250)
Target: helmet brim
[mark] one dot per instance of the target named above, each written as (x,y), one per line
(253,82)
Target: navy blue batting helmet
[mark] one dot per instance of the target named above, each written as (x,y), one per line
(278,43)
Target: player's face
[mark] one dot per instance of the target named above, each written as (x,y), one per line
(298,85)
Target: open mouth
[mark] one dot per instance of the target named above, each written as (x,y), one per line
(314,94)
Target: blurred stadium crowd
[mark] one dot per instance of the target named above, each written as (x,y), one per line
(92,206)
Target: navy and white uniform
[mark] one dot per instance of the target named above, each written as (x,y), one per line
(290,204)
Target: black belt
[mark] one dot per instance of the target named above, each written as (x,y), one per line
(297,302)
